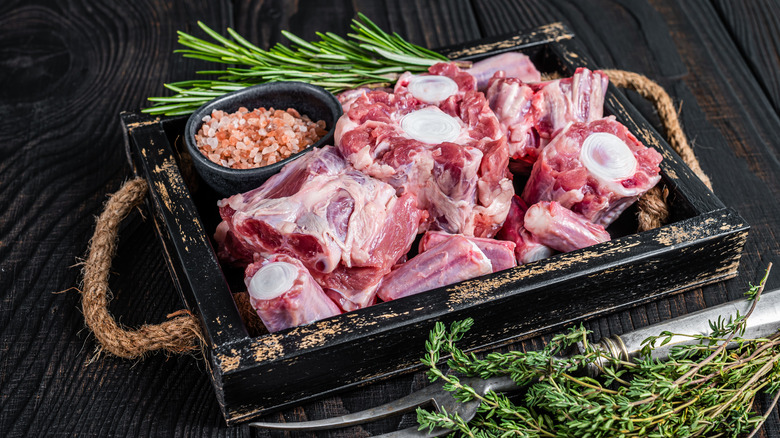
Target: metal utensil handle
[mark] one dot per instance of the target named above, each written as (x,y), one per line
(763,322)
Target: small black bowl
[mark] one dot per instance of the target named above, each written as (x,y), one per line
(307,99)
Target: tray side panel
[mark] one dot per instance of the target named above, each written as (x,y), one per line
(510,305)
(197,272)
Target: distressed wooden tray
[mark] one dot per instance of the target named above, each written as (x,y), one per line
(254,375)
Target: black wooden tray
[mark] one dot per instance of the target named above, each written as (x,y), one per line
(254,375)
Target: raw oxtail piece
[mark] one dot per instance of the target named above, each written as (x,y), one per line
(511,64)
(451,155)
(354,287)
(454,260)
(562,229)
(328,215)
(347,98)
(443,80)
(500,252)
(284,294)
(579,98)
(510,99)
(596,169)
(527,247)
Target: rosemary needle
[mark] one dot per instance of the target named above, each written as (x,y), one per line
(370,57)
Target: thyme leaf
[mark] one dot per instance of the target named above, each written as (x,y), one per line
(699,390)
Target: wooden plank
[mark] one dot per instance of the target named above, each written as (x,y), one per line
(69,68)
(754,26)
(428,23)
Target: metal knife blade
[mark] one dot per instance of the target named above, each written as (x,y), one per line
(762,323)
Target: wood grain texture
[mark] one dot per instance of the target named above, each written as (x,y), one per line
(93,59)
(69,69)
(754,26)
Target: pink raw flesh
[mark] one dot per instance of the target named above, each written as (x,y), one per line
(527,247)
(562,229)
(464,184)
(501,253)
(512,64)
(559,174)
(579,98)
(453,261)
(338,220)
(302,303)
(510,99)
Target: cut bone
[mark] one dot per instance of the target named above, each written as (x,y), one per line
(432,89)
(607,157)
(272,280)
(431,126)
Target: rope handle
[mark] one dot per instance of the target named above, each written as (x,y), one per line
(182,333)
(179,334)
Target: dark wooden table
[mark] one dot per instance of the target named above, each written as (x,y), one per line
(70,67)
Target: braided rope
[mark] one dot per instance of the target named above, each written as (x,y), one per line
(653,210)
(177,335)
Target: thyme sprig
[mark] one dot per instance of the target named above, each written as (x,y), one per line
(703,389)
(369,57)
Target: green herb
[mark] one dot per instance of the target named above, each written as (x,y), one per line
(371,57)
(700,390)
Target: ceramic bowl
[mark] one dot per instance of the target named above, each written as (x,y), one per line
(310,100)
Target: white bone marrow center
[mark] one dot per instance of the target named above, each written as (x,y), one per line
(432,89)
(272,280)
(607,157)
(430,126)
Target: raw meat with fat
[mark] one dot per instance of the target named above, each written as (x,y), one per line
(454,260)
(284,294)
(579,98)
(323,212)
(500,252)
(512,64)
(510,99)
(596,169)
(452,155)
(562,229)
(527,247)
(531,114)
(443,80)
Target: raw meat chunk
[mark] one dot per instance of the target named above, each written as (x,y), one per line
(328,215)
(501,253)
(510,99)
(284,294)
(579,98)
(347,98)
(527,247)
(354,287)
(562,229)
(531,114)
(454,260)
(442,81)
(512,64)
(596,169)
(452,155)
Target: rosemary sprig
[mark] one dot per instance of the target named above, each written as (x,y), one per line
(370,57)
(700,390)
